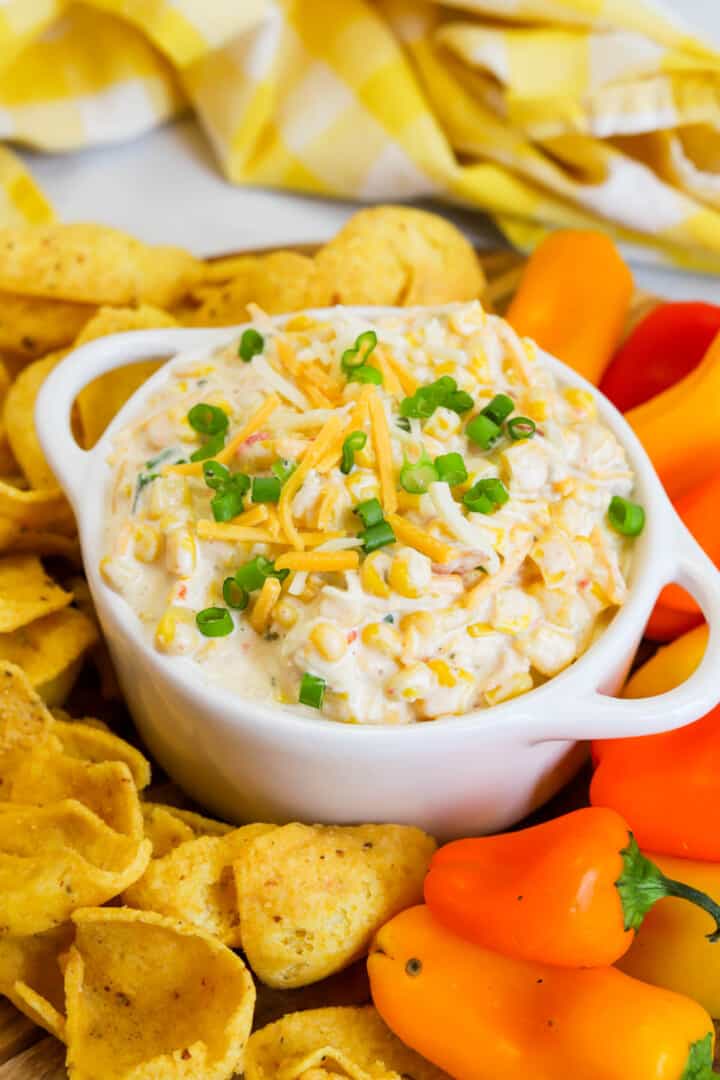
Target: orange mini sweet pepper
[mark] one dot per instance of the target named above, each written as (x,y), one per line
(666,788)
(570,892)
(699,510)
(680,428)
(483,1016)
(671,949)
(573,299)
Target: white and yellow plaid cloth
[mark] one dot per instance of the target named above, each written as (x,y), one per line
(545,113)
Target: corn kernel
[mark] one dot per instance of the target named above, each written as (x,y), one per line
(410,573)
(566,486)
(411,683)
(538,409)
(518,684)
(329,641)
(443,424)
(362,485)
(180,552)
(167,493)
(372,572)
(442,672)
(381,636)
(148,540)
(480,368)
(175,632)
(300,322)
(480,629)
(582,400)
(285,614)
(415,628)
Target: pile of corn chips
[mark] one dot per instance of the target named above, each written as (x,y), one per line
(64,285)
(122,919)
(152,985)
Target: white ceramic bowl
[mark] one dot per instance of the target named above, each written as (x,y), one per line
(480,772)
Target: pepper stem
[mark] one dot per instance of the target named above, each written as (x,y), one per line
(642,884)
(699,1063)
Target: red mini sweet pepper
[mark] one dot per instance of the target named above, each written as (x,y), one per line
(664,347)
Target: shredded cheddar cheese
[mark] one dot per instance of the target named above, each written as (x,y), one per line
(383,452)
(318,561)
(423,541)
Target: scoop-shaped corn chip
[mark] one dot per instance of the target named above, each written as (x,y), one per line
(38,1009)
(26,592)
(227,268)
(90,743)
(399,255)
(195,882)
(149,998)
(92,264)
(105,396)
(17,414)
(166,827)
(50,651)
(311,897)
(17,540)
(31,326)
(30,975)
(48,776)
(57,858)
(347,1042)
(47,509)
(33,960)
(279,282)
(25,723)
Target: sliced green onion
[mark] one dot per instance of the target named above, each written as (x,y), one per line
(483,431)
(499,408)
(208,419)
(266,489)
(521,427)
(377,536)
(417,476)
(443,393)
(234,595)
(365,374)
(240,482)
(403,423)
(214,622)
(626,517)
(283,469)
(370,512)
(312,690)
(486,496)
(355,441)
(162,457)
(251,575)
(216,475)
(420,406)
(209,448)
(451,469)
(357,355)
(227,504)
(459,401)
(251,344)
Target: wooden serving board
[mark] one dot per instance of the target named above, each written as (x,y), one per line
(27,1052)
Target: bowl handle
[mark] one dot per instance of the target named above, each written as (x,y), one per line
(594,715)
(57,395)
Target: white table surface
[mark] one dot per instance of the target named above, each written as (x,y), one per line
(166,188)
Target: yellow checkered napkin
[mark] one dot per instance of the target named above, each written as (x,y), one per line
(546,113)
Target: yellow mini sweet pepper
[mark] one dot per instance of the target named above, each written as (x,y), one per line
(671,948)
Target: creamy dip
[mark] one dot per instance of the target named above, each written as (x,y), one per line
(389,519)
